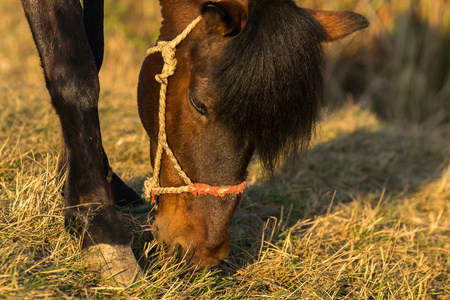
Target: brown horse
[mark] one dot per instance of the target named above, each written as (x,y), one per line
(248,79)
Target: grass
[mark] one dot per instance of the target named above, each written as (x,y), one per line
(399,67)
(364,215)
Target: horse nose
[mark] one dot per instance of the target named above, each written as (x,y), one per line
(189,245)
(196,256)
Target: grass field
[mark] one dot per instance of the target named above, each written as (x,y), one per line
(364,215)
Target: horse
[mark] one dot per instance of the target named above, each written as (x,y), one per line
(235,78)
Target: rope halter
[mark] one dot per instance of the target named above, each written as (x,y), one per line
(152,185)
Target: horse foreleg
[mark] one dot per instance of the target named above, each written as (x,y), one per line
(124,196)
(93,26)
(71,76)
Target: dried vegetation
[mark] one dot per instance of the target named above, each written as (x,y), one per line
(364,215)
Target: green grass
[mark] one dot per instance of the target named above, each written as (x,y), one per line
(364,215)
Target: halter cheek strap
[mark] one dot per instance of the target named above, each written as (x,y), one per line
(152,185)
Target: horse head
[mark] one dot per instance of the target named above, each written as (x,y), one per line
(248,79)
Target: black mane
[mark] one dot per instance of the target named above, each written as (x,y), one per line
(270,81)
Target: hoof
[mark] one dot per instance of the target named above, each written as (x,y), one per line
(115,264)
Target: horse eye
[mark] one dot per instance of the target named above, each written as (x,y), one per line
(199,106)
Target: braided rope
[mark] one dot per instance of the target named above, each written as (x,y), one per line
(152,185)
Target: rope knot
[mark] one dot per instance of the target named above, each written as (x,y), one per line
(167,50)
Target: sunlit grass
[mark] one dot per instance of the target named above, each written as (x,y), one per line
(400,65)
(365,215)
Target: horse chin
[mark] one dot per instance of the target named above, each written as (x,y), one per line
(201,263)
(188,245)
(197,257)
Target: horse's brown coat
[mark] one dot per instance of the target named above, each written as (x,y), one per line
(205,148)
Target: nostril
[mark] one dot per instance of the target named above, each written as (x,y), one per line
(155,232)
(177,248)
(182,252)
(177,251)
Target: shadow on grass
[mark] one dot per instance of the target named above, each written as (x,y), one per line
(360,165)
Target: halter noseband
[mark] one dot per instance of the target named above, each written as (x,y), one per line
(152,185)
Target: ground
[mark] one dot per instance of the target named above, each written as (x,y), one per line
(365,214)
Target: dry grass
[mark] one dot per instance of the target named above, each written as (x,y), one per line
(399,66)
(365,215)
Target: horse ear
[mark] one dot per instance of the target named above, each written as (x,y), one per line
(225,18)
(338,24)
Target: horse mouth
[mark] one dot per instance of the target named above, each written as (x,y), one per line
(189,256)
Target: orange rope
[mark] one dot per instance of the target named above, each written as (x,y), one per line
(152,185)
(204,189)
